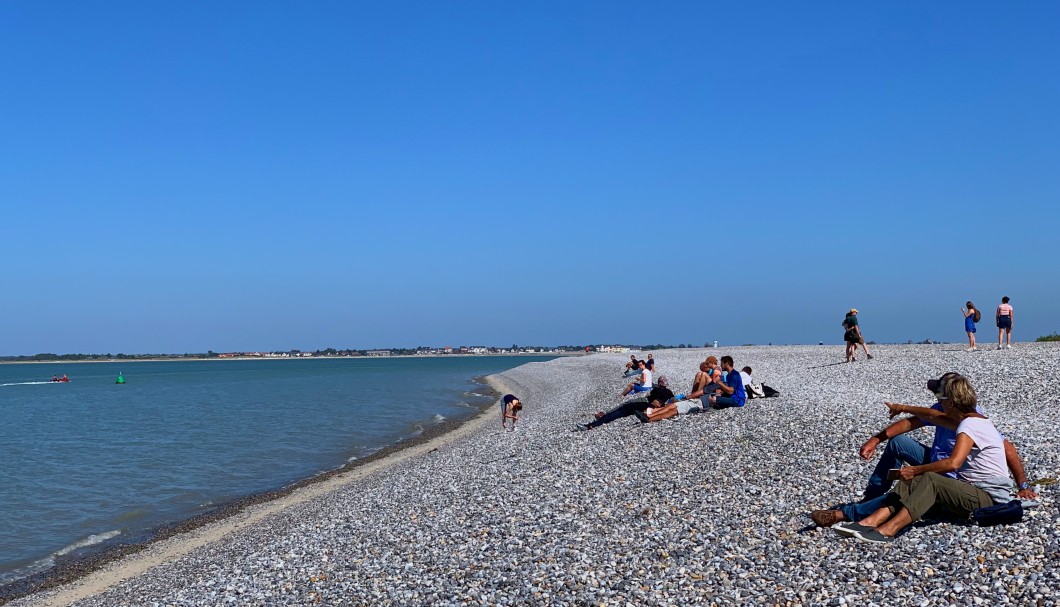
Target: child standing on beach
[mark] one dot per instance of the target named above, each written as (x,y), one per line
(971,316)
(510,408)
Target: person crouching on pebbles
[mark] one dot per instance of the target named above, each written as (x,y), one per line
(644,385)
(510,408)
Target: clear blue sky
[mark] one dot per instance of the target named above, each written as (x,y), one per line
(269,175)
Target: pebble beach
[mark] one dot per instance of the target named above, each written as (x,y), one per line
(708,509)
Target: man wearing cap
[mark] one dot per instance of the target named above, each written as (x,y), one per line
(902,448)
(853,335)
(660,395)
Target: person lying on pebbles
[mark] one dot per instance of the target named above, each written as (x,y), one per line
(903,448)
(658,397)
(982,475)
(644,384)
(675,407)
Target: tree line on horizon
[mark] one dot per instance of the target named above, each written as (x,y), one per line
(329,352)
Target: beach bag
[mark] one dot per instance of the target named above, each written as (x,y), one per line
(755,391)
(999,514)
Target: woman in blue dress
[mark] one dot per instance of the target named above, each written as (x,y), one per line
(971,316)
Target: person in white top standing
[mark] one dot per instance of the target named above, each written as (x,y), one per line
(978,458)
(1004,323)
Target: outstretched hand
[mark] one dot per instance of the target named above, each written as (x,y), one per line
(894,409)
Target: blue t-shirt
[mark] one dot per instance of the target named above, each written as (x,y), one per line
(734,381)
(945,439)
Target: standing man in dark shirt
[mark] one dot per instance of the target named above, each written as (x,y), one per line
(659,396)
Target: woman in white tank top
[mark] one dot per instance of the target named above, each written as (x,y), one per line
(644,385)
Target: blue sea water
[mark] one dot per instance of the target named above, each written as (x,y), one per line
(89,461)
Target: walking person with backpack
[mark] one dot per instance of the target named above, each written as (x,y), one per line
(852,335)
(1004,323)
(971,316)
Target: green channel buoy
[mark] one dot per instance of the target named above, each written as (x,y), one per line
(120,380)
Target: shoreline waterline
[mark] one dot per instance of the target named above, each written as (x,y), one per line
(277,358)
(112,564)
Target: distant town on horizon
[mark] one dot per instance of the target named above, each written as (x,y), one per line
(418,351)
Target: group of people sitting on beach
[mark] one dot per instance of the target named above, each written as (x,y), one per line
(717,385)
(633,367)
(966,468)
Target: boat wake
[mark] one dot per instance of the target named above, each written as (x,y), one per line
(32,383)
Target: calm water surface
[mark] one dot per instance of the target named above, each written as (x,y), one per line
(91,461)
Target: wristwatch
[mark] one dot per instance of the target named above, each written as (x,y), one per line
(1024,485)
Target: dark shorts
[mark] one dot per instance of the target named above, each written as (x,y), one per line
(851,337)
(1004,322)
